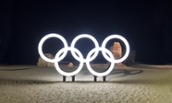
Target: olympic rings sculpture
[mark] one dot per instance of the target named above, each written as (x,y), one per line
(90,56)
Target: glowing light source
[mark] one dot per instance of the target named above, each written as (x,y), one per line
(79,57)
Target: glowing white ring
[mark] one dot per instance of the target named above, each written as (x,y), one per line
(84,36)
(65,73)
(116,37)
(109,69)
(89,58)
(52,35)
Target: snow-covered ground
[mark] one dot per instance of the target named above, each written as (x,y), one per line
(32,84)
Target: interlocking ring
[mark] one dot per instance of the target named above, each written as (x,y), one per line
(79,57)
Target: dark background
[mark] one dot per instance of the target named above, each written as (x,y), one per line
(146,24)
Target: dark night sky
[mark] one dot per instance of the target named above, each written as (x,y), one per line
(145,24)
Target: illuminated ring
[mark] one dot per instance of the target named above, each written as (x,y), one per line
(111,65)
(125,42)
(71,73)
(84,36)
(52,35)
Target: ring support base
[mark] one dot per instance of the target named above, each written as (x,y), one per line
(73,78)
(95,78)
(104,78)
(64,78)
